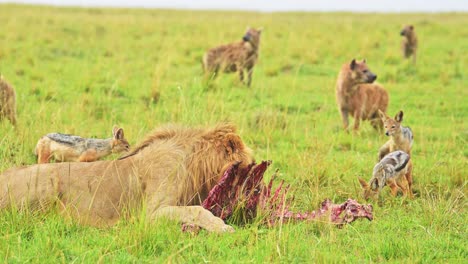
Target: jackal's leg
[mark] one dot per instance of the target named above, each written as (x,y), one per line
(409,179)
(43,156)
(88,156)
(195,215)
(403,184)
(393,187)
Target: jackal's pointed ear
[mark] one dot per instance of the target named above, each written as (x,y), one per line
(382,115)
(399,117)
(374,184)
(232,143)
(363,183)
(353,64)
(364,61)
(114,130)
(118,133)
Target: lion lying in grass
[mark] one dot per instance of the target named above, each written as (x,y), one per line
(170,173)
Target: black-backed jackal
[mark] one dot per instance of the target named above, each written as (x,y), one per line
(391,171)
(64,147)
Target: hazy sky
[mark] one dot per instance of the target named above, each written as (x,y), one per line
(275,5)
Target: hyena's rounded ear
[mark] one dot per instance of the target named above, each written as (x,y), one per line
(353,64)
(232,143)
(411,27)
(363,183)
(399,117)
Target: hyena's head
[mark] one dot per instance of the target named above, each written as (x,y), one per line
(252,36)
(119,143)
(360,72)
(392,126)
(407,31)
(370,190)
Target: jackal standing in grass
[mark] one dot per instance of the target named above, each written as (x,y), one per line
(65,147)
(234,57)
(391,171)
(401,138)
(7,101)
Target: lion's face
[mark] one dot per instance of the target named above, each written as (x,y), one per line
(235,151)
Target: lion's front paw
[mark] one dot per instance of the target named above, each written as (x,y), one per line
(227,229)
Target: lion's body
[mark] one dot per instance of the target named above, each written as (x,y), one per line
(171,172)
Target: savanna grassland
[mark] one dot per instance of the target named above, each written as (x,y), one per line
(81,71)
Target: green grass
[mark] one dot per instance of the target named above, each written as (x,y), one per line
(81,71)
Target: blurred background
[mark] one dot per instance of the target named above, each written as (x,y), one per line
(271,6)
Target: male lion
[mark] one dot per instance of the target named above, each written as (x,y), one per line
(170,173)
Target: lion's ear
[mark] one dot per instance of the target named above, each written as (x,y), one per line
(232,143)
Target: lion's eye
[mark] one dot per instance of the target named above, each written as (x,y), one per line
(365,71)
(393,126)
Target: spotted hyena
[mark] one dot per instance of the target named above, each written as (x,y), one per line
(409,44)
(7,101)
(234,57)
(357,95)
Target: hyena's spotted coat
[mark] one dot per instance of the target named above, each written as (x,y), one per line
(409,44)
(234,57)
(357,95)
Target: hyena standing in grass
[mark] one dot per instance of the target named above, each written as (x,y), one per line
(409,44)
(235,57)
(7,101)
(391,171)
(401,138)
(356,94)
(64,147)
